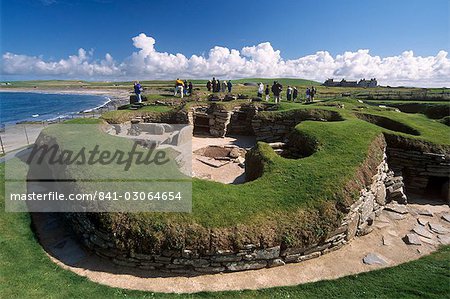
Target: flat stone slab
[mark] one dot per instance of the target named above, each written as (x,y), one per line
(392,233)
(444,239)
(437,228)
(383,219)
(422,221)
(422,231)
(428,241)
(381,225)
(387,240)
(425,212)
(394,215)
(374,259)
(212,162)
(446,217)
(400,209)
(412,239)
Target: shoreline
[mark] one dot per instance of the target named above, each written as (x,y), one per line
(113,99)
(13,134)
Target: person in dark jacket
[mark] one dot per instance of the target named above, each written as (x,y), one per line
(312,93)
(185,87)
(267,92)
(289,92)
(214,84)
(137,91)
(276,90)
(190,87)
(294,94)
(218,86)
(229,85)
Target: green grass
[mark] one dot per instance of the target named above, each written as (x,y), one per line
(26,272)
(85,121)
(120,116)
(285,200)
(292,195)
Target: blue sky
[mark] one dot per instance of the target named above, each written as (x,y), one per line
(55,29)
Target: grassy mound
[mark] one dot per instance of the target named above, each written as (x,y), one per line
(27,272)
(293,202)
(387,123)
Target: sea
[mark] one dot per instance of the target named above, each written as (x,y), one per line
(17,107)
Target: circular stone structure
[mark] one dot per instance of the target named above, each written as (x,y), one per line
(340,172)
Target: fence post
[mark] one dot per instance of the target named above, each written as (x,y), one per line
(26,134)
(1,143)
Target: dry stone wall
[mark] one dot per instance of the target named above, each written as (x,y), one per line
(279,125)
(358,221)
(418,168)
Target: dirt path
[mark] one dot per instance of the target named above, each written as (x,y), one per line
(390,229)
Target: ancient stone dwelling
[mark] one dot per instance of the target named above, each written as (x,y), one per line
(344,83)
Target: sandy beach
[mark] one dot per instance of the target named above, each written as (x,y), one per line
(117,96)
(20,135)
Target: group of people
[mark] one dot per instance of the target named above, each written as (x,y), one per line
(183,87)
(291,92)
(310,93)
(215,85)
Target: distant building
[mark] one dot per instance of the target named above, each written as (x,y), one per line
(345,83)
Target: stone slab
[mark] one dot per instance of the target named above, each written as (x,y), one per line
(422,231)
(374,259)
(412,239)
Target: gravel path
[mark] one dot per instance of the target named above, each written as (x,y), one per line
(384,247)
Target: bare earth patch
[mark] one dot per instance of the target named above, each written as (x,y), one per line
(205,166)
(384,247)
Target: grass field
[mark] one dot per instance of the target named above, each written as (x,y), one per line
(288,188)
(26,272)
(290,192)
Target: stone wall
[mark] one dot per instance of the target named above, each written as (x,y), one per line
(276,127)
(220,122)
(272,131)
(241,120)
(212,119)
(358,221)
(418,168)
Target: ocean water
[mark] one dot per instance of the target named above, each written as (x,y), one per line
(26,106)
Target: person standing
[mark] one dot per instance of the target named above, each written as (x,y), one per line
(179,86)
(218,86)
(185,84)
(137,91)
(267,92)
(276,90)
(312,93)
(260,90)
(224,85)
(190,87)
(209,85)
(229,85)
(214,84)
(308,94)
(294,94)
(289,93)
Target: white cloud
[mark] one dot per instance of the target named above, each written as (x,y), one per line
(255,61)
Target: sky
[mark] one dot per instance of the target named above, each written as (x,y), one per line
(402,42)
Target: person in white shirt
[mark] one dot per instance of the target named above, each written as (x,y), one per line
(260,90)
